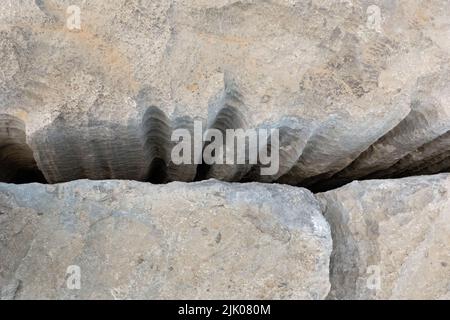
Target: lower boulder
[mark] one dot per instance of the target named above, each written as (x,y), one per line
(131,240)
(391,238)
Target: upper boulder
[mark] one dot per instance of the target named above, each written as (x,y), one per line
(100,98)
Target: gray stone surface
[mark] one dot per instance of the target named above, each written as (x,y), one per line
(208,240)
(395,233)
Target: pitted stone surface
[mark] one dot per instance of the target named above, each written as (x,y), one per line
(208,240)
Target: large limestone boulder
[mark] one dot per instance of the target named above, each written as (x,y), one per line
(391,238)
(130,240)
(101,99)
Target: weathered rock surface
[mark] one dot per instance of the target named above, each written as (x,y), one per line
(177,241)
(425,127)
(391,238)
(100,102)
(131,240)
(357,89)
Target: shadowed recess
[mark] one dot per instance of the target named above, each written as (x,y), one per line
(17,164)
(95,150)
(156,131)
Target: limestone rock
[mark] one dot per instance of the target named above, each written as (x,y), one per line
(134,240)
(391,238)
(425,127)
(101,99)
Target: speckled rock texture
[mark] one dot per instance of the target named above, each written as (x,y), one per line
(391,238)
(130,240)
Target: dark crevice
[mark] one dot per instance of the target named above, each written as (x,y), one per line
(156,133)
(17,164)
(28,176)
(202,172)
(158,172)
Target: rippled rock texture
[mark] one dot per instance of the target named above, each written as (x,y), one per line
(356,88)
